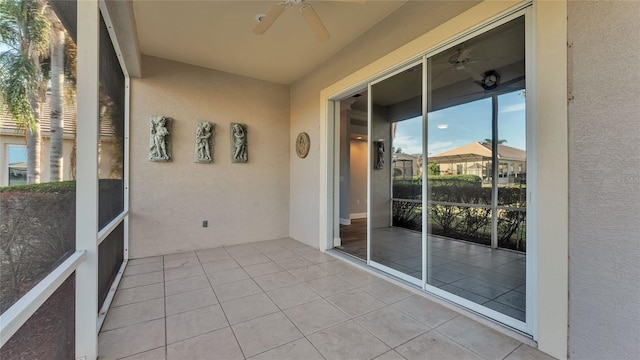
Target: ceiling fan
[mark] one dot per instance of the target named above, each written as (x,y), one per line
(308,12)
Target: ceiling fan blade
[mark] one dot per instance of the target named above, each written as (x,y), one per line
(314,22)
(271,17)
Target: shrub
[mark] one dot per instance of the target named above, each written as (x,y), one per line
(455,180)
(37,231)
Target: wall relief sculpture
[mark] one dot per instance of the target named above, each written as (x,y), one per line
(302,145)
(239,152)
(379,159)
(204,142)
(160,138)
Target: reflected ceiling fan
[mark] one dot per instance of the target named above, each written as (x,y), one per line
(308,12)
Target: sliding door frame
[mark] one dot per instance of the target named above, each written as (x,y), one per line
(529,327)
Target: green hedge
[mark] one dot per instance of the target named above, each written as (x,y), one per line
(515,197)
(455,180)
(52,187)
(37,230)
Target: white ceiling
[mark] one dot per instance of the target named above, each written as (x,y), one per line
(218,34)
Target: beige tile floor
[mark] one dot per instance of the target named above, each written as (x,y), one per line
(282,300)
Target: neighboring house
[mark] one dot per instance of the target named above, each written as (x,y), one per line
(13,145)
(475,159)
(406,167)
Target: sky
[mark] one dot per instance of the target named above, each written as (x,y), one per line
(463,124)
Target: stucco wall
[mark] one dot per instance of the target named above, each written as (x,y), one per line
(405,24)
(604,180)
(242,202)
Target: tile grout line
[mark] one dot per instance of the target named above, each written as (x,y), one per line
(223,312)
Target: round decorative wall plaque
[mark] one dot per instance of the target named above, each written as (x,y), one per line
(302,145)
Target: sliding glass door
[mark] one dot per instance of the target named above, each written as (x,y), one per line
(477,156)
(447,172)
(396,144)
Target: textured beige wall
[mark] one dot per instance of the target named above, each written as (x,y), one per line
(408,22)
(604,180)
(242,202)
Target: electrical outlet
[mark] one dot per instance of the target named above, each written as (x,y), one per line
(205,223)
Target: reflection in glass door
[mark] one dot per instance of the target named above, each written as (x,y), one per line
(396,144)
(447,190)
(476,247)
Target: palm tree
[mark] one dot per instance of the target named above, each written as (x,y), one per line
(24,30)
(57,88)
(489,142)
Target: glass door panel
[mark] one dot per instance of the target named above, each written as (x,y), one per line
(476,168)
(396,145)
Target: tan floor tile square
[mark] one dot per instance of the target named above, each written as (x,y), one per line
(179,286)
(142,268)
(308,273)
(140,312)
(386,291)
(279,254)
(425,310)
(337,266)
(220,265)
(390,355)
(176,263)
(196,322)
(147,260)
(478,338)
(241,250)
(293,262)
(526,352)
(236,289)
(347,340)
(251,260)
(433,345)
(293,295)
(267,246)
(190,301)
(155,354)
(183,272)
(226,276)
(265,333)
(355,302)
(131,340)
(276,280)
(391,326)
(140,280)
(262,269)
(138,294)
(220,344)
(315,316)
(317,257)
(206,256)
(181,255)
(358,277)
(329,285)
(298,350)
(248,307)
